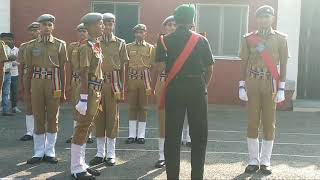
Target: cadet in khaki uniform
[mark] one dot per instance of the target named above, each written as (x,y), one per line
(91,77)
(159,78)
(74,84)
(107,122)
(263,89)
(45,60)
(34,31)
(141,55)
(3,58)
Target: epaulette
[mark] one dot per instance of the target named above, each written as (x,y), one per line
(281,34)
(248,34)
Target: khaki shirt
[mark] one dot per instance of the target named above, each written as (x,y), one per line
(3,54)
(115,53)
(276,43)
(141,56)
(74,56)
(92,59)
(46,54)
(21,54)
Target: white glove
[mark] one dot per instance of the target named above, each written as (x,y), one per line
(281,93)
(81,107)
(242,91)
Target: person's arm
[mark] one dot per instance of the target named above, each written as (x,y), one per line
(69,68)
(283,59)
(85,56)
(124,58)
(207,60)
(244,56)
(63,58)
(159,63)
(28,72)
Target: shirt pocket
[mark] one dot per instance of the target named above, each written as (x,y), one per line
(115,60)
(53,58)
(133,56)
(145,57)
(75,57)
(37,53)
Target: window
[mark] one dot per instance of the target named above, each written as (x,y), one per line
(127,15)
(224,25)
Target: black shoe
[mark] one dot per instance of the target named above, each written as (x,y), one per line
(69,140)
(89,141)
(188,144)
(34,160)
(251,169)
(96,160)
(26,138)
(110,161)
(141,141)
(160,164)
(7,114)
(83,176)
(93,172)
(52,160)
(130,140)
(266,170)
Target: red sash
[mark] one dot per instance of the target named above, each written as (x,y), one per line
(176,68)
(256,42)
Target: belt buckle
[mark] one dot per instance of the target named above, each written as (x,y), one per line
(44,73)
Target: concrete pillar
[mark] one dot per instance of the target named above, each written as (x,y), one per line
(289,12)
(5,16)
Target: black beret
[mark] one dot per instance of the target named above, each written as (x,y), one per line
(91,18)
(168,19)
(46,17)
(6,35)
(265,11)
(34,25)
(108,16)
(140,27)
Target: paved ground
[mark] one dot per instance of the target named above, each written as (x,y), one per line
(296,152)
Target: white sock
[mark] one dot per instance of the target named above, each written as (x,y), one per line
(51,139)
(111,148)
(161,148)
(141,129)
(39,144)
(29,124)
(78,164)
(132,128)
(101,147)
(253,149)
(266,152)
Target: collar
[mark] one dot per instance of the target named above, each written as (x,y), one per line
(46,39)
(265,32)
(109,38)
(141,43)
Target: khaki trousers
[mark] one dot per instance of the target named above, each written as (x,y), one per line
(261,108)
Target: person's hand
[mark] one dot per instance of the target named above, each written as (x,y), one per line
(12,57)
(281,93)
(63,97)
(81,107)
(242,91)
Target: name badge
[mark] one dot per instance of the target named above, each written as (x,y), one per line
(36,52)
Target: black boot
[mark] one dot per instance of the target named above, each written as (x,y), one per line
(266,170)
(130,140)
(83,176)
(34,160)
(110,162)
(141,141)
(96,161)
(160,164)
(52,160)
(26,138)
(251,169)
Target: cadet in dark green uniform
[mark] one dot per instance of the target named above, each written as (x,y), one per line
(186,90)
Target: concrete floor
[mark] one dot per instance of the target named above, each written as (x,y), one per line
(296,150)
